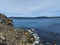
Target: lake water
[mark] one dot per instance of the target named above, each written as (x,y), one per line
(45,27)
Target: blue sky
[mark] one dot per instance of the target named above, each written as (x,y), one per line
(30,8)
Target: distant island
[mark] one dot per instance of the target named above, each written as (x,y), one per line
(33,17)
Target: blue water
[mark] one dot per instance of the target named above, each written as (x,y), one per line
(48,24)
(45,27)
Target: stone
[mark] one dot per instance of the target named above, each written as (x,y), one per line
(13,36)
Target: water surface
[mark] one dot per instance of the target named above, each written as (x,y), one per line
(47,24)
(45,27)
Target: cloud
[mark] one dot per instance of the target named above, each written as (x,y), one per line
(30,7)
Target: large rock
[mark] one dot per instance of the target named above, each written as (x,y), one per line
(13,36)
(5,20)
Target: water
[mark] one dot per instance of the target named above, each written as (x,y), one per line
(50,24)
(45,28)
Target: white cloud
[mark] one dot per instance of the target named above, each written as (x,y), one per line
(29,7)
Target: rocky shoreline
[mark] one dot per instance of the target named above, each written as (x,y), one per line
(10,35)
(14,36)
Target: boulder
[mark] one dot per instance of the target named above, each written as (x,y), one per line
(5,20)
(13,36)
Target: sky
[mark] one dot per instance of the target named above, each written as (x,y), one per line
(30,8)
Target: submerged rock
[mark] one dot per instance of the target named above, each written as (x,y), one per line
(13,36)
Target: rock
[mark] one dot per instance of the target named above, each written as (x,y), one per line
(13,36)
(5,20)
(1,37)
